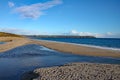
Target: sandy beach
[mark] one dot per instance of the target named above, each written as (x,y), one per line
(80,71)
(72,71)
(12,42)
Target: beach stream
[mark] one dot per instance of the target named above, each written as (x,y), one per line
(16,62)
(2,42)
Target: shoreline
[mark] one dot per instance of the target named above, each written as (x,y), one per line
(13,42)
(84,45)
(77,49)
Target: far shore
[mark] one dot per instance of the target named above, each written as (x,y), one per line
(13,42)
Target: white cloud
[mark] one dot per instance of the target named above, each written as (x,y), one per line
(100,35)
(74,32)
(11,4)
(111,35)
(35,10)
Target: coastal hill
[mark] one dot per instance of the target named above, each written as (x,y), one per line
(4,34)
(60,36)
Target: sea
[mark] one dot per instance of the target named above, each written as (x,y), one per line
(106,43)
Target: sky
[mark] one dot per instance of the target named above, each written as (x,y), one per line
(99,18)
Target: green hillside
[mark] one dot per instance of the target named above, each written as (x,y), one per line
(3,34)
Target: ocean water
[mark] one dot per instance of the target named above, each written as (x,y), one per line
(102,42)
(14,63)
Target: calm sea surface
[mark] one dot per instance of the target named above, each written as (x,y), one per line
(103,42)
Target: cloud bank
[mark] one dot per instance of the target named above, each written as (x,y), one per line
(34,10)
(72,32)
(102,35)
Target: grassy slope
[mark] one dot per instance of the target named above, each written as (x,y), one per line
(3,34)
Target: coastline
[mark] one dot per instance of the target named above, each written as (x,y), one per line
(70,71)
(84,45)
(13,42)
(78,49)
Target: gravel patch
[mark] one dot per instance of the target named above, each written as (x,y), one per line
(80,71)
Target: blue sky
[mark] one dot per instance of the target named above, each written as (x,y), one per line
(100,18)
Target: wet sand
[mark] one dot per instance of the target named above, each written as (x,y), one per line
(80,71)
(63,47)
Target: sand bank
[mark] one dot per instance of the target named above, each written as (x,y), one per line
(12,42)
(78,49)
(63,47)
(80,71)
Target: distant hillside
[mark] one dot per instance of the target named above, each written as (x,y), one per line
(3,34)
(60,36)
